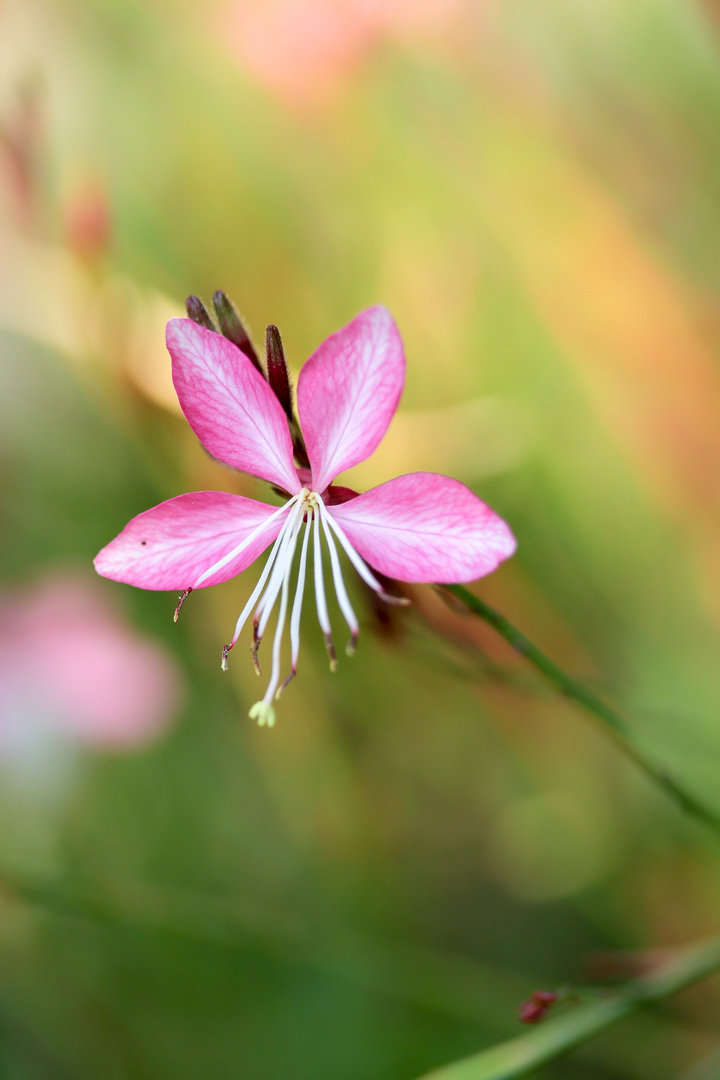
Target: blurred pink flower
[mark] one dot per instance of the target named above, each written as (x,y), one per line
(301,49)
(70,666)
(420,527)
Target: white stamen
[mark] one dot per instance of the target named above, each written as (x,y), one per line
(309,512)
(340,590)
(263,711)
(362,567)
(244,543)
(282,551)
(261,583)
(320,601)
(282,570)
(298,601)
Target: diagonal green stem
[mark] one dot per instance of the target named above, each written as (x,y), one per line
(520,1056)
(612,722)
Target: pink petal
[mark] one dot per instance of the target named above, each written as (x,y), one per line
(229,405)
(348,391)
(171,545)
(425,527)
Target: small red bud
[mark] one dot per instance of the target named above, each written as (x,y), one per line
(534,1009)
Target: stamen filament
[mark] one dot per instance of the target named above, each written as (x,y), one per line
(281,571)
(304,510)
(279,562)
(340,590)
(244,543)
(259,587)
(263,711)
(298,601)
(320,601)
(181,601)
(362,567)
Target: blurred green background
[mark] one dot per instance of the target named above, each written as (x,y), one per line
(373,887)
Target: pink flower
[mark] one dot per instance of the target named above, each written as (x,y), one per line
(99,683)
(302,50)
(417,528)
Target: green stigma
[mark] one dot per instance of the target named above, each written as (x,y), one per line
(263,713)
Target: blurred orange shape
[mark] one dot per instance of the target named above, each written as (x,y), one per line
(87,220)
(622,319)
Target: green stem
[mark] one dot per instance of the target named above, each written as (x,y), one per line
(522,1055)
(612,722)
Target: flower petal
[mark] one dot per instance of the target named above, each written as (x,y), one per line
(229,405)
(171,545)
(348,391)
(424,527)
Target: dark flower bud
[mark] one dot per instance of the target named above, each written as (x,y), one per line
(232,328)
(277,370)
(198,313)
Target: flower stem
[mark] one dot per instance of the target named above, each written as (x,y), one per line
(556,1037)
(612,722)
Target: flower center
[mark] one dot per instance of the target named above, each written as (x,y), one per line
(304,515)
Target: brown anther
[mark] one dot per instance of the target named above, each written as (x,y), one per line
(398,601)
(224,661)
(331,652)
(181,601)
(284,683)
(255,646)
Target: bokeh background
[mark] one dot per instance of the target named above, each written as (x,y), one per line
(373,887)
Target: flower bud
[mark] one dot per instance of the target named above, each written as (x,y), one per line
(277,369)
(197,311)
(232,328)
(534,1009)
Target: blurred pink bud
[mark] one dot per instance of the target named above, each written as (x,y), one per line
(22,142)
(534,1009)
(70,664)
